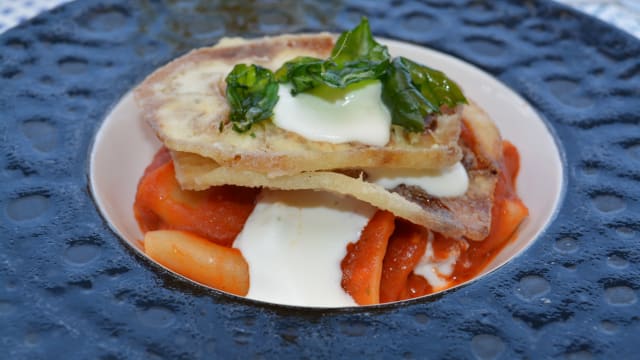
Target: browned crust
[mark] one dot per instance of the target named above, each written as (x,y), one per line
(236,51)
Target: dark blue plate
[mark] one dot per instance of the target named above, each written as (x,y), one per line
(69,288)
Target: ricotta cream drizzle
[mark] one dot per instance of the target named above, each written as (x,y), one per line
(355,113)
(294,242)
(437,271)
(449,182)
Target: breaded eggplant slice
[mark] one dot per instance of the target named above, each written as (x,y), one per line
(185,103)
(466,216)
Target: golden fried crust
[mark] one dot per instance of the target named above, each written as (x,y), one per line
(488,145)
(185,103)
(467,216)
(195,172)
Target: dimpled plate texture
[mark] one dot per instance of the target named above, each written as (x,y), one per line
(70,288)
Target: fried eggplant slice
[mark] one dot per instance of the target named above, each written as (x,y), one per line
(466,216)
(185,103)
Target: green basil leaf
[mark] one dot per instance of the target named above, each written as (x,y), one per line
(413,91)
(355,57)
(302,72)
(252,93)
(357,45)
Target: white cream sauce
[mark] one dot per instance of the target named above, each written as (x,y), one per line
(355,113)
(294,242)
(449,182)
(437,271)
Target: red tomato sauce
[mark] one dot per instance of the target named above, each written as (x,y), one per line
(219,213)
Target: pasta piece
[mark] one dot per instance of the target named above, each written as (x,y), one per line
(199,259)
(362,266)
(511,213)
(406,246)
(416,286)
(218,213)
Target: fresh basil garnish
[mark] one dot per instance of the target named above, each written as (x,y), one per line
(303,72)
(252,92)
(412,92)
(356,56)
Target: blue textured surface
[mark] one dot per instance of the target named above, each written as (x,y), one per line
(69,288)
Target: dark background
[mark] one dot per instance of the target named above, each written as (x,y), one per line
(69,288)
